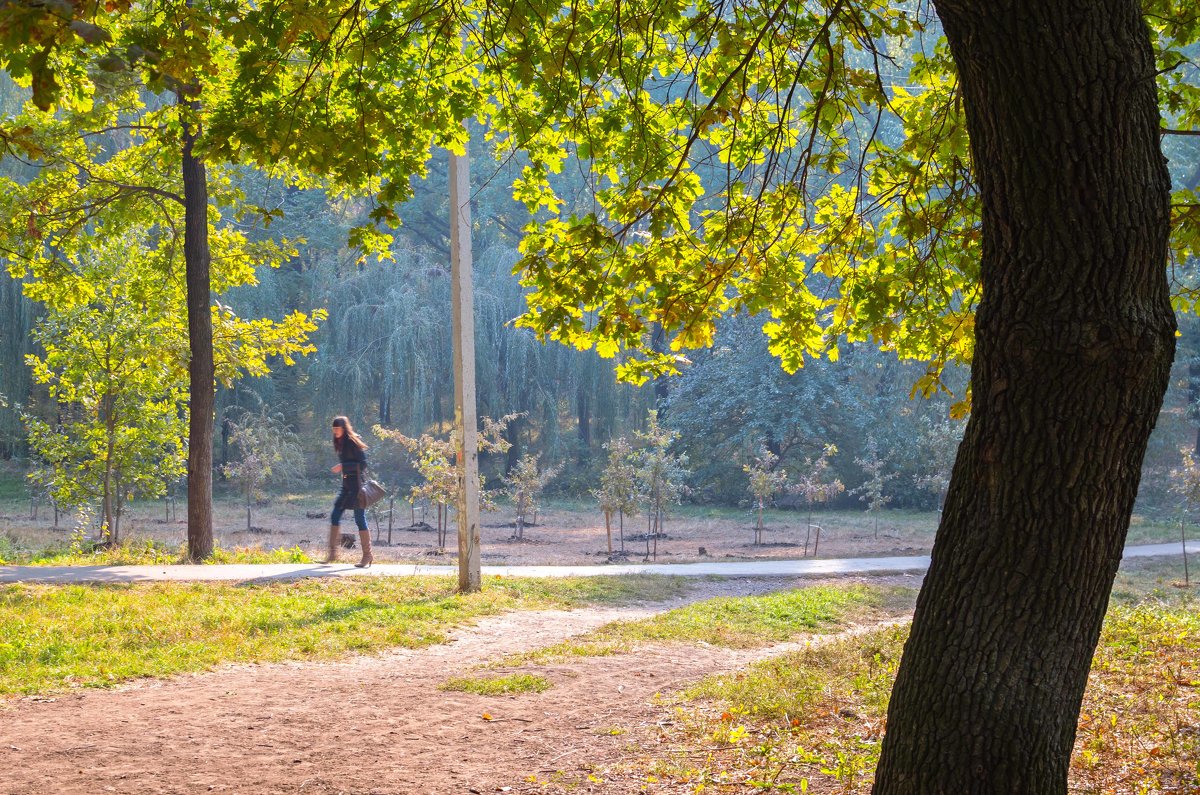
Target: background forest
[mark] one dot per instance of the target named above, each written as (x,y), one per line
(377,348)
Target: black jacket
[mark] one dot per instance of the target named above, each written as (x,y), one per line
(354,461)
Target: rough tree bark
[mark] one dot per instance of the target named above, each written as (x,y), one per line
(1075,338)
(201,374)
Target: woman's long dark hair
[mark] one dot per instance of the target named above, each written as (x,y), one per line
(347,433)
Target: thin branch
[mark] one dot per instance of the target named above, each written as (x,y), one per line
(119,128)
(149,189)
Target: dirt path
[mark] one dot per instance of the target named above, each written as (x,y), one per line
(373,724)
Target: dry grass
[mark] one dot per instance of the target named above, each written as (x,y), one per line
(812,720)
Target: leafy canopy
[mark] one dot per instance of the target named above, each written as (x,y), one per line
(804,160)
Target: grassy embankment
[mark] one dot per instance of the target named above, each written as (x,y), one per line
(56,637)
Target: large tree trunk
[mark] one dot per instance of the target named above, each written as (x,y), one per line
(1075,337)
(201,375)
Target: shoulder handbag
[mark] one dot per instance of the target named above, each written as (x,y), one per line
(370,493)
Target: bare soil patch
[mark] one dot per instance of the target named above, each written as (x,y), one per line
(561,535)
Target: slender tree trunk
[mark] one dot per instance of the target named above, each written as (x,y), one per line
(438,412)
(651,521)
(202,391)
(1193,387)
(1187,580)
(512,434)
(110,430)
(808,530)
(1074,341)
(658,518)
(226,429)
(17,319)
(520,517)
(583,410)
(662,386)
(385,401)
(119,512)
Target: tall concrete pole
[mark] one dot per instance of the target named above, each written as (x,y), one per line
(465,421)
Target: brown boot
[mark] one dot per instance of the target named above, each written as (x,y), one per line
(335,540)
(364,538)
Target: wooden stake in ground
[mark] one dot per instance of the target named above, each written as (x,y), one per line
(466,432)
(1187,581)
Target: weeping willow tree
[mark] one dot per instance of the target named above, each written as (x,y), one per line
(385,353)
(384,356)
(571,399)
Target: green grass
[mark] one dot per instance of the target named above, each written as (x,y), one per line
(144,552)
(8,551)
(56,637)
(745,622)
(1157,580)
(859,670)
(1144,530)
(1137,728)
(813,718)
(12,487)
(498,685)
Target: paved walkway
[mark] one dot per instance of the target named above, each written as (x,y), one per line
(290,571)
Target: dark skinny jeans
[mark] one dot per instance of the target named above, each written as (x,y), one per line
(347,499)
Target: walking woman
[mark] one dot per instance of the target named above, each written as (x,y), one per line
(352,456)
